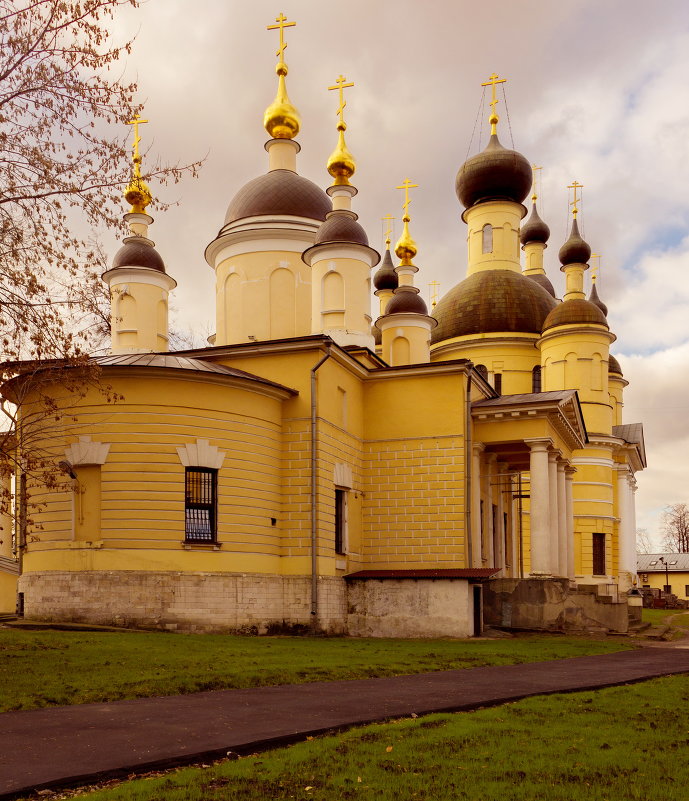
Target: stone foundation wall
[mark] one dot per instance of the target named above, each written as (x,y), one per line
(551,605)
(410,608)
(194,602)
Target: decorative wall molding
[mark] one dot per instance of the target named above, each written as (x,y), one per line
(201,454)
(87,452)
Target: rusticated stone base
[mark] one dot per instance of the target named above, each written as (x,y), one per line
(192,602)
(551,605)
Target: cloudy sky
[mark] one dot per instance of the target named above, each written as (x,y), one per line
(597,92)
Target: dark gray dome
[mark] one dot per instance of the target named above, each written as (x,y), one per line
(279,192)
(490,301)
(406,300)
(544,281)
(575,250)
(341,226)
(614,365)
(385,276)
(575,312)
(138,254)
(494,174)
(593,298)
(534,229)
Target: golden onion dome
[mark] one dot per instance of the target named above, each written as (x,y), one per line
(138,195)
(406,247)
(281,119)
(341,164)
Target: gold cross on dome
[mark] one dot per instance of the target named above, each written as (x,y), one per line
(135,147)
(341,84)
(575,185)
(388,219)
(493,81)
(596,267)
(534,197)
(281,25)
(407,185)
(434,286)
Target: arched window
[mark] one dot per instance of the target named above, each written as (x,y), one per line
(481,368)
(487,238)
(536,379)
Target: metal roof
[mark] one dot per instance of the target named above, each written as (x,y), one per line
(634,434)
(439,573)
(528,397)
(650,562)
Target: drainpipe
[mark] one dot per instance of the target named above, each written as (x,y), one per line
(468,461)
(314,492)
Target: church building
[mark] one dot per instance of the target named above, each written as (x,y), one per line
(323,465)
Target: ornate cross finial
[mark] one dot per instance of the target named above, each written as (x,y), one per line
(596,267)
(493,81)
(281,25)
(341,84)
(135,147)
(433,287)
(406,185)
(534,168)
(388,219)
(575,185)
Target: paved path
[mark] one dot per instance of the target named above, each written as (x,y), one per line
(69,745)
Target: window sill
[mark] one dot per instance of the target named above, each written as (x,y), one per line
(201,546)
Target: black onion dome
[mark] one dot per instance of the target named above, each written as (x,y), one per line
(593,298)
(138,254)
(406,300)
(494,174)
(385,276)
(534,229)
(341,226)
(377,335)
(279,192)
(544,281)
(575,250)
(490,301)
(614,365)
(576,311)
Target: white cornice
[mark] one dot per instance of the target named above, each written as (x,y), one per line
(138,275)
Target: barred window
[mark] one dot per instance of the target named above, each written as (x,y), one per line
(200,502)
(536,379)
(340,521)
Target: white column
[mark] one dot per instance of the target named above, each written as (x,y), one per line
(626,546)
(488,533)
(539,507)
(501,483)
(569,495)
(562,518)
(553,526)
(476,556)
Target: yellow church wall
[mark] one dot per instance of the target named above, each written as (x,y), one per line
(513,356)
(414,460)
(341,295)
(264,295)
(504,218)
(139,317)
(142,481)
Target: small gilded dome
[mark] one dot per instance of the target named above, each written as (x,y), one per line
(593,298)
(575,312)
(406,300)
(490,301)
(385,276)
(534,229)
(341,226)
(138,254)
(575,250)
(494,174)
(279,192)
(614,365)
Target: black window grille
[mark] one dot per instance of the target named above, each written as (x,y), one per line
(340,520)
(598,554)
(200,504)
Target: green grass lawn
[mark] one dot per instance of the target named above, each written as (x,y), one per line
(45,668)
(620,744)
(658,616)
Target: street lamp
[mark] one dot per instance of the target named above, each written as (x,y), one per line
(667,574)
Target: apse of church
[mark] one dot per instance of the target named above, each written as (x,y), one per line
(324,465)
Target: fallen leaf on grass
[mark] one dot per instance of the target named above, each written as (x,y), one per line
(388,749)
